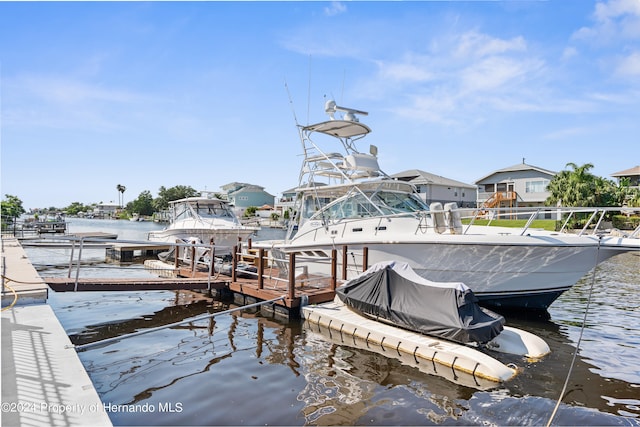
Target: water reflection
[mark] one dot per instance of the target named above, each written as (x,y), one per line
(251,368)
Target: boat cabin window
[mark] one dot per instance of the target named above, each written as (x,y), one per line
(212,210)
(204,210)
(359,206)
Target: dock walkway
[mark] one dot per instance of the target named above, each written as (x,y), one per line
(43,380)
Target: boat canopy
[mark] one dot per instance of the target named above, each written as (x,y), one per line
(200,207)
(339,128)
(392,292)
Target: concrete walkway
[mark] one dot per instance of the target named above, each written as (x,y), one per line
(43,381)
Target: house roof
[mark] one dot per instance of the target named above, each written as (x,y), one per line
(420,177)
(517,168)
(629,172)
(238,185)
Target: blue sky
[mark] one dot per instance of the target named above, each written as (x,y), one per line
(160,94)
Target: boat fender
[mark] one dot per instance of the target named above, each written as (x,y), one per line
(304,301)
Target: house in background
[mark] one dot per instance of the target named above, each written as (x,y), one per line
(520,185)
(242,195)
(633,175)
(106,210)
(436,188)
(286,202)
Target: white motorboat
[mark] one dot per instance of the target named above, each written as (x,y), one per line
(345,200)
(210,220)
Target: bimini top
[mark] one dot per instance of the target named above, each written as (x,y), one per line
(339,128)
(392,292)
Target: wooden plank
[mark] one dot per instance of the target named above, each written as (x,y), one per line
(60,284)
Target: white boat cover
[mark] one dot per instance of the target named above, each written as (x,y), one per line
(391,291)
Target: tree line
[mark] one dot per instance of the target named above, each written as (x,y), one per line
(145,204)
(571,187)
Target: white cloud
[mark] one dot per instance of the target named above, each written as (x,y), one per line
(65,103)
(335,8)
(496,72)
(411,69)
(614,21)
(629,66)
(463,79)
(474,44)
(67,91)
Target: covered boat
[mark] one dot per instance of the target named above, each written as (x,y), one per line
(393,293)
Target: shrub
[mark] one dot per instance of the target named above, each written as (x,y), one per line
(623,222)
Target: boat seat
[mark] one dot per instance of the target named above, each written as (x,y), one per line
(439,221)
(452,218)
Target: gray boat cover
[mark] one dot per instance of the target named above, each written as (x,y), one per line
(393,292)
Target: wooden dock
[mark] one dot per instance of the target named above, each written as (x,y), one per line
(126,252)
(266,284)
(64,284)
(245,290)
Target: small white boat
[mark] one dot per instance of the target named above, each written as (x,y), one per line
(210,220)
(399,314)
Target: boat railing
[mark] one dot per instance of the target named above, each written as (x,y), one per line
(591,222)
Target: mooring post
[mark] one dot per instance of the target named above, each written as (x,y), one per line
(365,258)
(176,258)
(334,268)
(73,247)
(260,278)
(292,275)
(234,263)
(193,261)
(75,287)
(344,262)
(212,256)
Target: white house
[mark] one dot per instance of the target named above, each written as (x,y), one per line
(520,185)
(106,210)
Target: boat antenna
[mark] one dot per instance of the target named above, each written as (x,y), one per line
(344,77)
(309,92)
(291,102)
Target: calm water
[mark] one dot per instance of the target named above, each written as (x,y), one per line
(249,369)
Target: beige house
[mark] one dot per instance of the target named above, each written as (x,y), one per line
(436,188)
(632,174)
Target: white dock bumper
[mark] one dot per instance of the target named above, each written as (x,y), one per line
(456,362)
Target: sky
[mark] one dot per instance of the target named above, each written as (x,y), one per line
(202,94)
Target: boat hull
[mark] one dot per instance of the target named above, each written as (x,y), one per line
(508,275)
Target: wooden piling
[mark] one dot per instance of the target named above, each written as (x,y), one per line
(365,258)
(260,267)
(292,275)
(334,268)
(344,262)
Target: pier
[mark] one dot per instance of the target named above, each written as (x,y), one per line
(188,271)
(43,380)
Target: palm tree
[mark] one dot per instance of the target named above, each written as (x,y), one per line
(121,189)
(573,188)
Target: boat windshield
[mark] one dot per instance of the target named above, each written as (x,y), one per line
(202,210)
(212,210)
(356,205)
